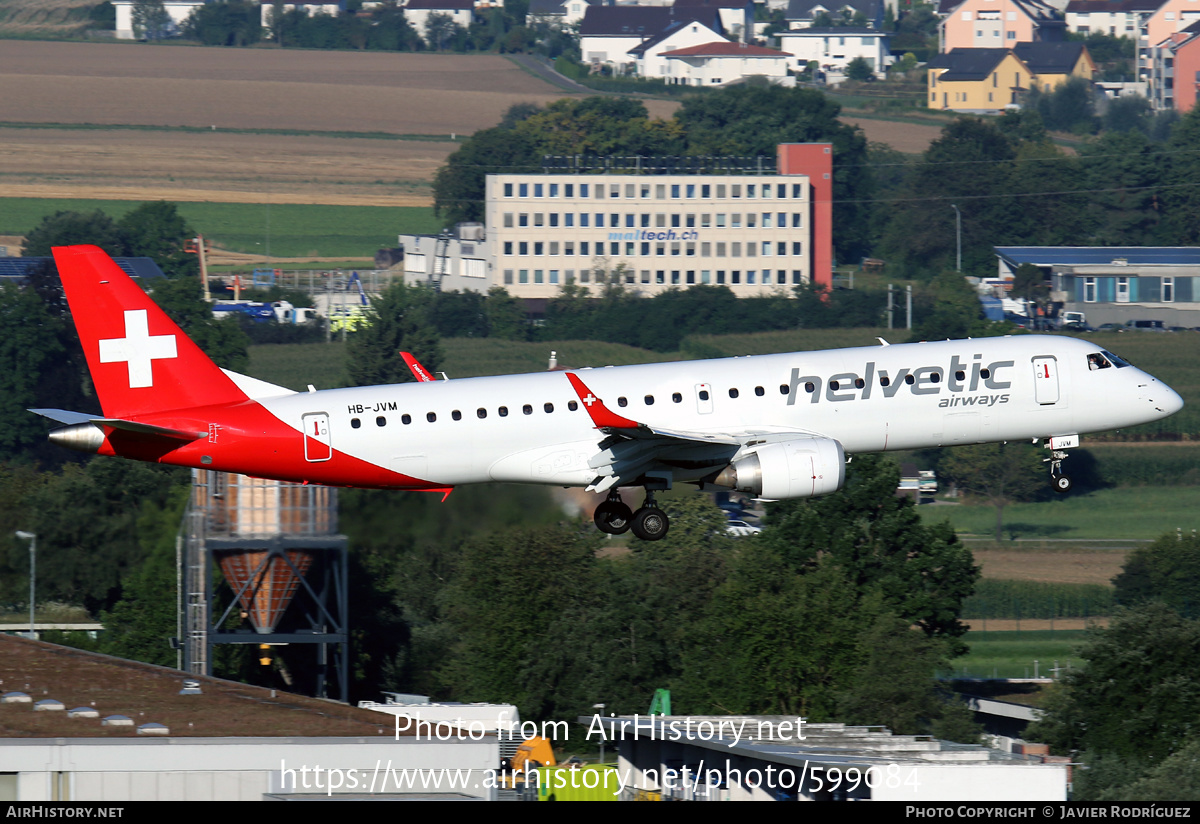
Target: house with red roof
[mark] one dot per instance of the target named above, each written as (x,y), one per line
(721,62)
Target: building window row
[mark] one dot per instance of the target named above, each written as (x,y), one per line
(658,277)
(659,220)
(657,191)
(706,249)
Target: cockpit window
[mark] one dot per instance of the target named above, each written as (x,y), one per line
(1116,361)
(1096,360)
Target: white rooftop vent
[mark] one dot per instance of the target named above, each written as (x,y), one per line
(117,721)
(190,687)
(15,698)
(153,729)
(48,704)
(83,712)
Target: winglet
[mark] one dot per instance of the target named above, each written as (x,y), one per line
(419,371)
(601,415)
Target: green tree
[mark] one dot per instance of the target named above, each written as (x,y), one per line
(142,622)
(778,641)
(397,320)
(972,156)
(150,20)
(506,315)
(999,473)
(859,69)
(40,367)
(1134,703)
(1167,570)
(515,602)
(71,229)
(228,23)
(922,572)
(157,231)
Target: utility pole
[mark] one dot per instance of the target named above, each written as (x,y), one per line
(32,538)
(958,236)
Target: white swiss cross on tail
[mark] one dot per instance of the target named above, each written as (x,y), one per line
(138,349)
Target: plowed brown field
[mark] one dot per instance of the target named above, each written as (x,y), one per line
(217,89)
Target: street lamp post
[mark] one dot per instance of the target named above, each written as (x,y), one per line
(32,538)
(958,236)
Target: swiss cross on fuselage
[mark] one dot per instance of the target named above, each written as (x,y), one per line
(138,349)
(591,399)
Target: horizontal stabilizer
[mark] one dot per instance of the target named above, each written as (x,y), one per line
(64,416)
(74,418)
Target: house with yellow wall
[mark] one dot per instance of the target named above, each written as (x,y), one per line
(991,80)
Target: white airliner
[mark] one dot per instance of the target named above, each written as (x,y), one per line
(773,426)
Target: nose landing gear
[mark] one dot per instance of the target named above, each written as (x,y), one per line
(1062,483)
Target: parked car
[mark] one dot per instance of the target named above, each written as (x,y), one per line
(1146,326)
(741,529)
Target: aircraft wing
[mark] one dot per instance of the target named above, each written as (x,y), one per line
(633,447)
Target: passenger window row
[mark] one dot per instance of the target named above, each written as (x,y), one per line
(481,412)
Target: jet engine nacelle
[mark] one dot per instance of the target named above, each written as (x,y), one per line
(797,468)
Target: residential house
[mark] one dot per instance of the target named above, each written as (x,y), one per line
(721,62)
(607,33)
(633,38)
(1174,74)
(977,80)
(1000,24)
(1122,18)
(559,13)
(1053,64)
(833,48)
(418,12)
(648,56)
(737,16)
(990,80)
(802,14)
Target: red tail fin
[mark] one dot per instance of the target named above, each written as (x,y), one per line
(139,359)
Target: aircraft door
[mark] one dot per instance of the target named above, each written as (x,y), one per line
(317,446)
(1045,380)
(704,401)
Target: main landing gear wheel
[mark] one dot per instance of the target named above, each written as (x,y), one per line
(613,517)
(1062,483)
(650,523)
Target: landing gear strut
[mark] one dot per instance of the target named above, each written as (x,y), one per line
(1061,483)
(614,518)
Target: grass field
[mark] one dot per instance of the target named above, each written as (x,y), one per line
(1141,513)
(292,230)
(1012,654)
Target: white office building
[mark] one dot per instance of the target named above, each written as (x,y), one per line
(650,232)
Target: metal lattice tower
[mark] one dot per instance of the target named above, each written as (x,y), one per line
(282,569)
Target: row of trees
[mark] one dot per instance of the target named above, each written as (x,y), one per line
(385,28)
(1014,187)
(1130,713)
